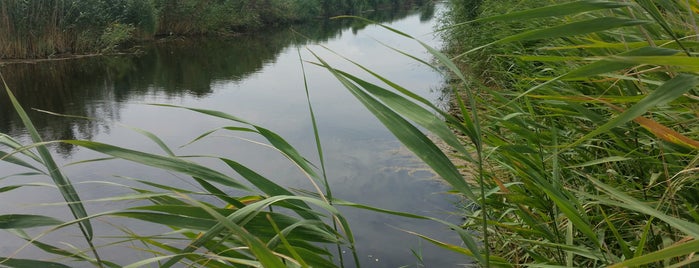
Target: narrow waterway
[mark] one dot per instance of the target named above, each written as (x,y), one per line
(257,78)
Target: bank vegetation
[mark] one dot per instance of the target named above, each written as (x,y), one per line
(41,29)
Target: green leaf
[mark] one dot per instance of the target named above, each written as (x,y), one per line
(670,252)
(24,263)
(163,162)
(554,10)
(20,221)
(628,202)
(70,195)
(664,94)
(572,29)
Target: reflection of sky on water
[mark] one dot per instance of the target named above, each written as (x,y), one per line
(365,164)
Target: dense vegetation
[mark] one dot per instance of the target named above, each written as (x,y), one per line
(39,29)
(588,131)
(579,120)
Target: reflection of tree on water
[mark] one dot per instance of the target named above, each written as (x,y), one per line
(96,87)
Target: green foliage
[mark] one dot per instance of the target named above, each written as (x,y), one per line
(39,29)
(589,130)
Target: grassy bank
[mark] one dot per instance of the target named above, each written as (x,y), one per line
(587,128)
(40,29)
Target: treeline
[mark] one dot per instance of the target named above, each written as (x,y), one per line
(40,29)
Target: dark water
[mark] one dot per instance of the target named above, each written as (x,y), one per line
(255,77)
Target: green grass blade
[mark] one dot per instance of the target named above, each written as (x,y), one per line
(684,62)
(412,111)
(494,260)
(17,146)
(268,187)
(21,221)
(558,10)
(408,134)
(669,91)
(617,63)
(677,250)
(24,263)
(288,246)
(628,202)
(162,162)
(70,195)
(572,29)
(14,160)
(275,140)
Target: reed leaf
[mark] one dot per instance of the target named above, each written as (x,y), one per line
(162,162)
(669,91)
(677,250)
(21,221)
(555,10)
(25,263)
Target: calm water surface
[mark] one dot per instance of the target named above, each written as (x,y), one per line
(255,77)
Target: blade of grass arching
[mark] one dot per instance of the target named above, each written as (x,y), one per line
(565,30)
(496,261)
(684,63)
(616,63)
(143,132)
(412,111)
(78,255)
(162,162)
(24,263)
(268,187)
(14,160)
(677,250)
(669,91)
(409,109)
(286,244)
(18,147)
(70,195)
(408,134)
(219,193)
(628,202)
(577,250)
(473,129)
(666,133)
(558,10)
(22,221)
(277,141)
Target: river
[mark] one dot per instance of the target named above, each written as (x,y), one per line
(256,77)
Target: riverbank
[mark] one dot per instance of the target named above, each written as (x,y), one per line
(61,27)
(586,134)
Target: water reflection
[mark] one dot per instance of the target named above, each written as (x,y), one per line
(255,77)
(97,87)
